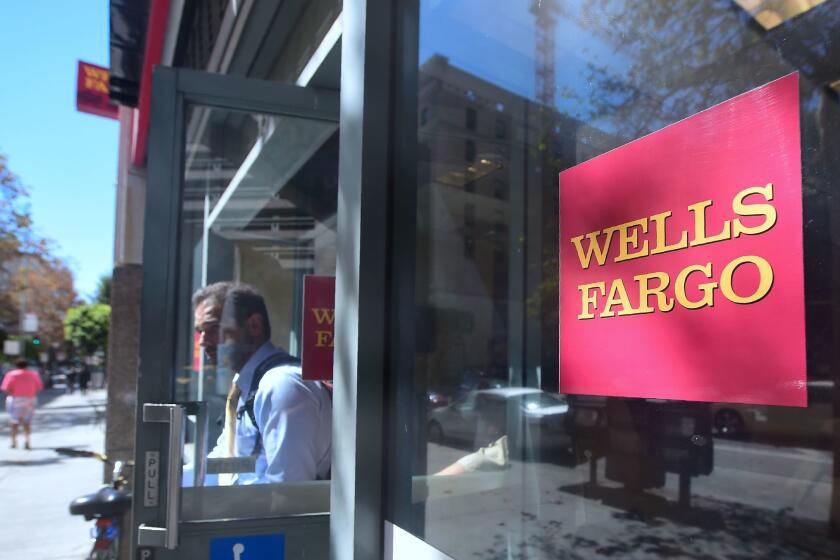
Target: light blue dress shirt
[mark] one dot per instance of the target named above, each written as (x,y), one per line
(295,420)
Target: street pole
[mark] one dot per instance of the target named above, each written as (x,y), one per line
(23,270)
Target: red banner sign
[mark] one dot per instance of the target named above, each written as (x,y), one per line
(196,361)
(681,259)
(92,91)
(318,327)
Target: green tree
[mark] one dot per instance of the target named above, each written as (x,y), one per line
(86,327)
(103,290)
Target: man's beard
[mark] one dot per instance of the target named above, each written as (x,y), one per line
(233,355)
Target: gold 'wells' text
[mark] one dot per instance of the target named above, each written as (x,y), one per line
(647,236)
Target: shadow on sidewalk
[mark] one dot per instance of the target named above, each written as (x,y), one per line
(650,527)
(48,422)
(645,506)
(96,406)
(44,398)
(31,462)
(58,418)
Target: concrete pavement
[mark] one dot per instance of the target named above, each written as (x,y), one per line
(760,501)
(36,486)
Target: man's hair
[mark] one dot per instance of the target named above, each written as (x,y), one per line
(22,364)
(245,299)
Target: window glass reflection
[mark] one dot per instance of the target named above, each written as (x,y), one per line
(509,95)
(258,214)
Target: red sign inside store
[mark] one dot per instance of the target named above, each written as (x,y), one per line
(92,91)
(318,327)
(196,363)
(681,272)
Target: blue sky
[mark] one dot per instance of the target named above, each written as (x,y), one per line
(495,41)
(68,159)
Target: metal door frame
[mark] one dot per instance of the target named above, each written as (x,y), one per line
(375,276)
(173,89)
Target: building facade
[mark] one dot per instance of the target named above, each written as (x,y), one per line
(423,153)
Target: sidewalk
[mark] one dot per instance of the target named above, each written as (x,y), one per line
(37,486)
(760,501)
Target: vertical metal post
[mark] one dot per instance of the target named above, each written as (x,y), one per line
(157,328)
(405,411)
(205,252)
(25,275)
(356,524)
(685,488)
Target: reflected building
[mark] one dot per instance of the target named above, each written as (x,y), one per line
(487,280)
(487,224)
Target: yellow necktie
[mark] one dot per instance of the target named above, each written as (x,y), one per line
(230,415)
(226,479)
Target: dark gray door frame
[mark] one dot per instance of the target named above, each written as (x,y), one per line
(375,274)
(375,307)
(173,89)
(356,518)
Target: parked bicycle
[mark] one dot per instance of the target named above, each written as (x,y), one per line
(107,506)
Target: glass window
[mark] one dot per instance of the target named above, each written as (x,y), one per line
(501,128)
(469,150)
(525,472)
(471,119)
(258,214)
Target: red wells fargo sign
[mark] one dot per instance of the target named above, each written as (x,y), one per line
(92,91)
(318,327)
(681,264)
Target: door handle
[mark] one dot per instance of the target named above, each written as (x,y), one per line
(202,428)
(167,536)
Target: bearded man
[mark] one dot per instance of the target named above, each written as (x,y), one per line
(272,415)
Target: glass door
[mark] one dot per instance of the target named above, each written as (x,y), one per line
(233,445)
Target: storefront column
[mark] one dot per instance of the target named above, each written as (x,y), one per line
(356,521)
(123,350)
(124,334)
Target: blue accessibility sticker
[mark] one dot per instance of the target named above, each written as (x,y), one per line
(253,547)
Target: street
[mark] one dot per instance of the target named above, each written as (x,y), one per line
(37,485)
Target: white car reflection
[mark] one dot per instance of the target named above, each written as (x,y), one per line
(531,418)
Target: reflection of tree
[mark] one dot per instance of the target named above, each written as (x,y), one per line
(678,58)
(684,56)
(681,57)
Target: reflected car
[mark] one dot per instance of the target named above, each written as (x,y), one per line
(531,418)
(472,379)
(806,425)
(55,377)
(465,381)
(435,398)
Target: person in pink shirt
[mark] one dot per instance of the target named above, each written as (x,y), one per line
(21,387)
